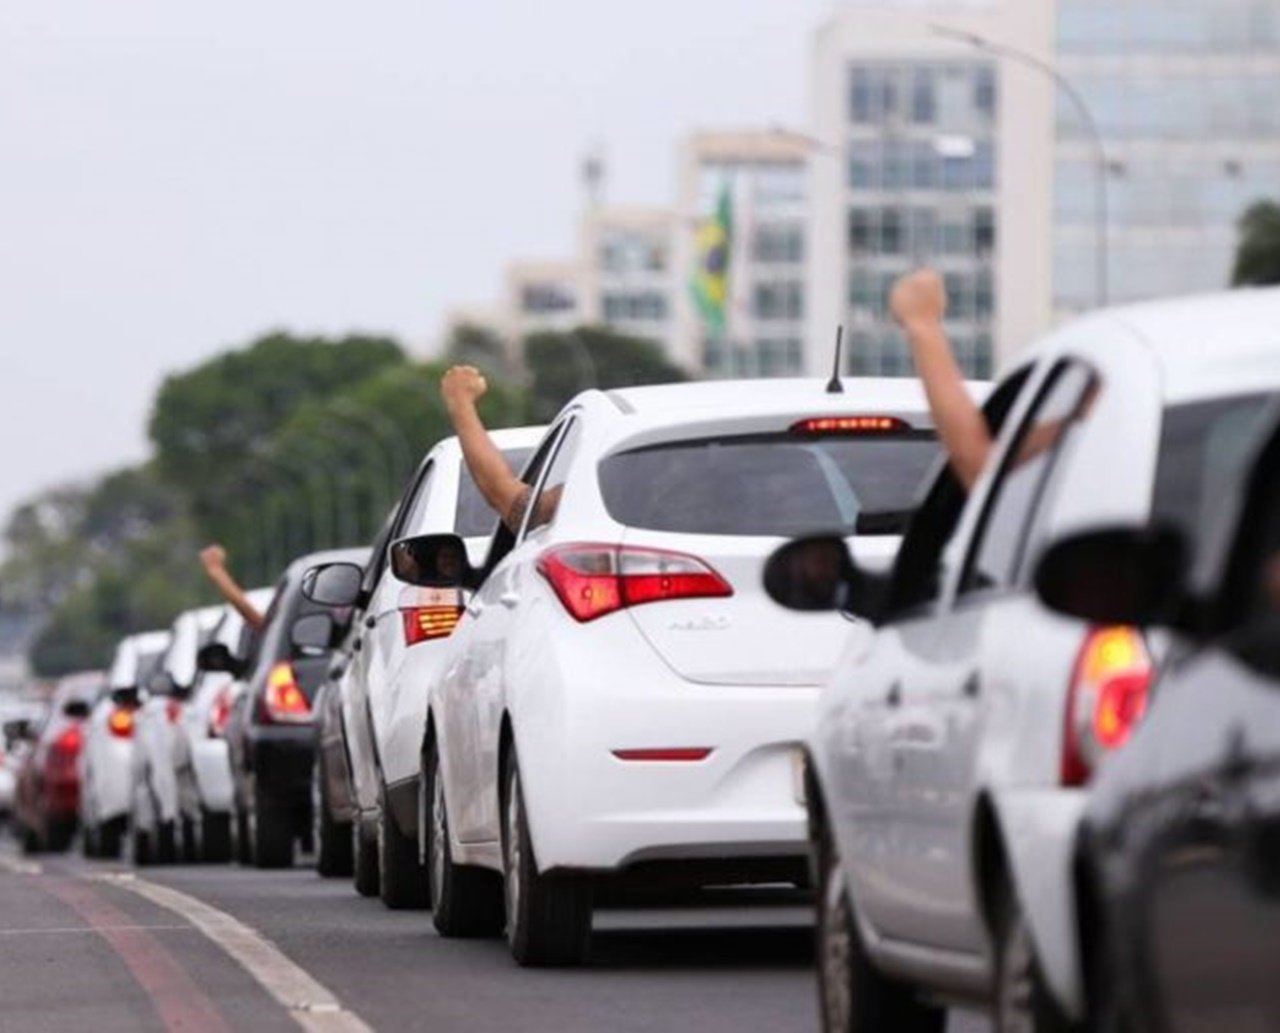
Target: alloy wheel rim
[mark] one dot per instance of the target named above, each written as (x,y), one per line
(514,889)
(439,829)
(1015,985)
(837,950)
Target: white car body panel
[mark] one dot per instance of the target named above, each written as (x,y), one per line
(689,674)
(910,752)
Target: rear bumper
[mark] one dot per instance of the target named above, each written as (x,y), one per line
(281,758)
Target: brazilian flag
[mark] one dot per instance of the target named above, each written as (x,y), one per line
(710,284)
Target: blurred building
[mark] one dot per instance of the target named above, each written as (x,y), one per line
(1186,94)
(542,294)
(925,150)
(764,175)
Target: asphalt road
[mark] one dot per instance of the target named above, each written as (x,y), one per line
(87,945)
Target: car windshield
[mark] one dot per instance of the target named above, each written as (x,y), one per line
(770,484)
(475,517)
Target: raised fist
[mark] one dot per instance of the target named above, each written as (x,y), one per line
(213,556)
(918,298)
(462,384)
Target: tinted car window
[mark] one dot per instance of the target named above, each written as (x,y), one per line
(775,484)
(475,517)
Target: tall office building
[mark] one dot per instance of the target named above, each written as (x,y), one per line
(1186,95)
(926,150)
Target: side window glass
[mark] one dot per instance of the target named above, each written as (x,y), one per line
(1016,499)
(917,572)
(504,538)
(543,506)
(414,509)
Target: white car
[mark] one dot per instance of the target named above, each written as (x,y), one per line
(398,646)
(955,743)
(621,700)
(106,759)
(154,816)
(202,769)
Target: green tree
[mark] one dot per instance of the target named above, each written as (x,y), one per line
(1257,261)
(562,364)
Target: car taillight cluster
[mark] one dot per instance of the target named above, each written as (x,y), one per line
(120,722)
(593,580)
(219,714)
(1107,699)
(825,426)
(426,623)
(284,702)
(172,710)
(68,742)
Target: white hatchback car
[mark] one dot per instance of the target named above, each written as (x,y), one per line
(621,699)
(202,771)
(395,653)
(955,743)
(106,759)
(154,817)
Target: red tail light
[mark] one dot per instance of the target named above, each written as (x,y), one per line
(69,741)
(219,714)
(594,580)
(172,710)
(1107,699)
(822,426)
(686,754)
(284,701)
(424,623)
(120,722)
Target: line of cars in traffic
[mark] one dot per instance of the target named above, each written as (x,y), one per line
(1019,737)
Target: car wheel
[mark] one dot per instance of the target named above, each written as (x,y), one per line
(241,847)
(853,997)
(402,879)
(89,841)
(465,901)
(110,836)
(215,836)
(1023,1002)
(333,843)
(364,848)
(166,845)
(30,841)
(59,835)
(270,835)
(140,847)
(190,839)
(548,917)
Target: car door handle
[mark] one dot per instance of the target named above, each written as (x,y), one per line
(357,645)
(509,599)
(894,696)
(371,622)
(972,687)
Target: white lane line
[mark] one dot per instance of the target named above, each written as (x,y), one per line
(16,867)
(95,930)
(312,1006)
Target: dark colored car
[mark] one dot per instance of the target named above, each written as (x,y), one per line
(270,733)
(1178,864)
(47,797)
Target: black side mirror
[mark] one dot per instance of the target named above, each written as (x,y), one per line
(433,561)
(816,574)
(333,584)
(312,635)
(125,697)
(19,730)
(76,708)
(1116,576)
(217,656)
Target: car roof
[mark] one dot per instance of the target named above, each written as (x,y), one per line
(1204,345)
(149,641)
(302,564)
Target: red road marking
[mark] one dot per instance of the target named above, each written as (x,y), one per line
(180,1003)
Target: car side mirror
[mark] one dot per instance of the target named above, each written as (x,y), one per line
(217,656)
(433,561)
(76,708)
(312,635)
(125,697)
(817,574)
(333,584)
(19,730)
(1116,576)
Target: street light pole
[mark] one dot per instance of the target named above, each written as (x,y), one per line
(1030,60)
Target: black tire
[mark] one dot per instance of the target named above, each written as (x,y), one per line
(241,847)
(402,878)
(364,850)
(189,840)
(270,835)
(215,836)
(548,917)
(140,847)
(853,997)
(110,839)
(1023,1003)
(334,853)
(166,843)
(30,841)
(59,835)
(465,901)
(89,842)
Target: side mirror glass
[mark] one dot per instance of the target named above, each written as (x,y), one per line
(333,584)
(125,697)
(19,730)
(311,635)
(1116,576)
(76,708)
(816,574)
(217,656)
(433,561)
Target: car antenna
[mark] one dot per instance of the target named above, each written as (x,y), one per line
(834,387)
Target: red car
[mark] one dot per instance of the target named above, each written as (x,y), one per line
(47,799)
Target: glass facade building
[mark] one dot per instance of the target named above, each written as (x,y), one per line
(1186,94)
(921,187)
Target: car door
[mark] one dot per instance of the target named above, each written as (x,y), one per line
(470,696)
(975,664)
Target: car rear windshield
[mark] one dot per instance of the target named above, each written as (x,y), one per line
(777,484)
(475,516)
(1203,446)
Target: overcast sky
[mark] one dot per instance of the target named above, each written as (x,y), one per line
(178,177)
